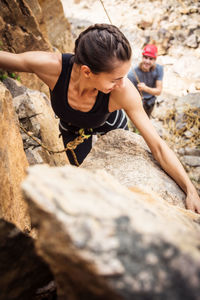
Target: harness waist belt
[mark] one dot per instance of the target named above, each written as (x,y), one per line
(75,130)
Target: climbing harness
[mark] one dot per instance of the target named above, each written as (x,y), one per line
(70,146)
(77,141)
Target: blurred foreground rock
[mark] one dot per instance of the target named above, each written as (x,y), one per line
(103,241)
(126,156)
(22,271)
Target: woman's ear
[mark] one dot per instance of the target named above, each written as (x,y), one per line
(86,71)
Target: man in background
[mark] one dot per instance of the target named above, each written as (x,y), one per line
(147,77)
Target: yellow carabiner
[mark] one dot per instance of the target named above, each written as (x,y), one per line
(83,135)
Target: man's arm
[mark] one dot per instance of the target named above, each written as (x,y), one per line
(46,65)
(156,91)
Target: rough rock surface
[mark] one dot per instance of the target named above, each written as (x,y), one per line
(19,28)
(126,156)
(103,241)
(19,32)
(36,116)
(13,164)
(58,27)
(34,25)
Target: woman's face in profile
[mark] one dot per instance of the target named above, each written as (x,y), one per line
(106,82)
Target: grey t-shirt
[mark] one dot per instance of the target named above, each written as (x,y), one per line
(149,78)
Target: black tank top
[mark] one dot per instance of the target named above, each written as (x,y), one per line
(69,116)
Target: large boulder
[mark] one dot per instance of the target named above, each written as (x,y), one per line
(13,164)
(126,156)
(103,241)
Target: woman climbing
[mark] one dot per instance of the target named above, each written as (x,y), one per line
(90,92)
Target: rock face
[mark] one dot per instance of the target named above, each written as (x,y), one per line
(37,118)
(58,27)
(19,28)
(20,32)
(13,164)
(22,272)
(126,156)
(103,241)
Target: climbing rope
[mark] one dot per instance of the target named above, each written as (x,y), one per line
(138,81)
(106,11)
(112,24)
(70,146)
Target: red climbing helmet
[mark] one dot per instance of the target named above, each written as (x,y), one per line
(150,50)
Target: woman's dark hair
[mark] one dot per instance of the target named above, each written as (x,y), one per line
(99,46)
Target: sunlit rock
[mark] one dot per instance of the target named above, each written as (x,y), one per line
(13,164)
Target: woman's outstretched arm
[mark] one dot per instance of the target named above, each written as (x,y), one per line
(131,102)
(46,65)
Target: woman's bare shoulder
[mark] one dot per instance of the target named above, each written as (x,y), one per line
(42,59)
(126,97)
